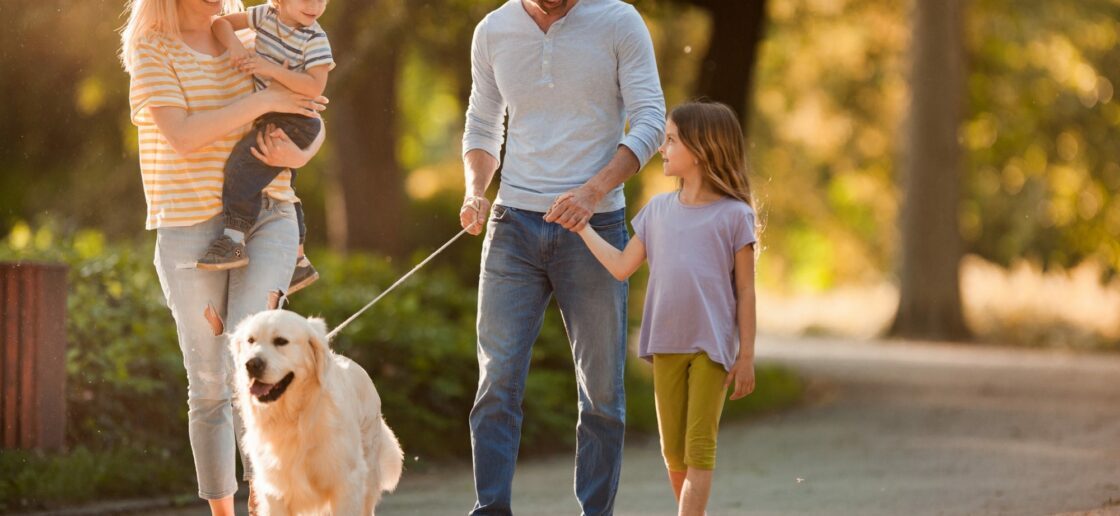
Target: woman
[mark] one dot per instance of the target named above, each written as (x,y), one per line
(191,106)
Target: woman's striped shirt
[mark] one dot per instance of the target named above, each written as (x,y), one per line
(183,190)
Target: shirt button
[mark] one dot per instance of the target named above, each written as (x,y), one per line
(551,85)
(546,61)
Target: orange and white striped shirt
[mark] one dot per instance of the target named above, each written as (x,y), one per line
(183,190)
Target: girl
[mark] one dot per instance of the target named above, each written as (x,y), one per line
(698,328)
(190,110)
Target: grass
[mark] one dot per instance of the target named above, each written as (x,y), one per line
(33,480)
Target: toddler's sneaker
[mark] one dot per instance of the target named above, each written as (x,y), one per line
(224,254)
(304,275)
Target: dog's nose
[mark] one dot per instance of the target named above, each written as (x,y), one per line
(255,367)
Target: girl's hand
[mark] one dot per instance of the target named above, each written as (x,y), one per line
(742,377)
(279,99)
(275,149)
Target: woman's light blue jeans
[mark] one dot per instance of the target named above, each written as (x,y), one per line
(272,245)
(525,261)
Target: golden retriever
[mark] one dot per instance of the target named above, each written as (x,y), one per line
(313,426)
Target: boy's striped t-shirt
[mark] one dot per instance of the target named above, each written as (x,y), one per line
(302,47)
(183,190)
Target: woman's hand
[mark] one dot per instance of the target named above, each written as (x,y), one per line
(278,99)
(742,377)
(275,149)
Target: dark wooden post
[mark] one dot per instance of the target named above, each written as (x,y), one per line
(32,355)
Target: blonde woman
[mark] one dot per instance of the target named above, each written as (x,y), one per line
(191,106)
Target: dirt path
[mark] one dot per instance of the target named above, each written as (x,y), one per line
(889,428)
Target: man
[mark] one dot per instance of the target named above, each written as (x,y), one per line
(569,73)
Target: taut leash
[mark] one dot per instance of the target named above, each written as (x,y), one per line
(393,286)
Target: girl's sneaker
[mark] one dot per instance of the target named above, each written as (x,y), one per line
(223,254)
(304,275)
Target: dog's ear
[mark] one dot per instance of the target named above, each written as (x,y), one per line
(319,346)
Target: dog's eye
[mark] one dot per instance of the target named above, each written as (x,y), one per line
(252,340)
(279,341)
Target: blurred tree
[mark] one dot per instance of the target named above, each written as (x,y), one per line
(366,188)
(1044,158)
(372,40)
(64,106)
(930,300)
(737,27)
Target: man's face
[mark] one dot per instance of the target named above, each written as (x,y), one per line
(550,6)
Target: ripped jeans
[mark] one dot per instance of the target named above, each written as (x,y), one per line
(235,294)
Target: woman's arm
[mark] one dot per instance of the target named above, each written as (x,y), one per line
(742,372)
(621,264)
(188,132)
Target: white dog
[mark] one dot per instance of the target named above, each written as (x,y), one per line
(313,427)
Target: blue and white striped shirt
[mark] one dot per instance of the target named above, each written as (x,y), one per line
(303,47)
(569,94)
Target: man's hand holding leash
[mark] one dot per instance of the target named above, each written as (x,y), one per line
(473,213)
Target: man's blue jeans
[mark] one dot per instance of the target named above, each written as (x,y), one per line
(525,261)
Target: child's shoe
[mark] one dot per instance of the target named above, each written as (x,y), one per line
(304,275)
(224,254)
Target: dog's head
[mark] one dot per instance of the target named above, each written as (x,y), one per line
(275,350)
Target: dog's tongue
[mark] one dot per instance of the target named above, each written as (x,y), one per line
(260,388)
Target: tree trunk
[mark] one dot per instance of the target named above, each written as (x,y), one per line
(727,69)
(930,300)
(365,194)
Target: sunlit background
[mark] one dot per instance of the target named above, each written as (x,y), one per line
(825,112)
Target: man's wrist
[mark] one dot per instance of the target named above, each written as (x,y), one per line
(595,191)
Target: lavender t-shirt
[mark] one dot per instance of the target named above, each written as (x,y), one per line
(690,298)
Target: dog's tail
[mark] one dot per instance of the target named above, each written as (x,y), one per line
(390,457)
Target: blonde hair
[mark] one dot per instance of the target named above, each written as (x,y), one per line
(711,132)
(162,16)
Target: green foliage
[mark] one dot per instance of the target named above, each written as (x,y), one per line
(34,480)
(1041,132)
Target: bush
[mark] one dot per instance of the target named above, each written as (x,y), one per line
(35,480)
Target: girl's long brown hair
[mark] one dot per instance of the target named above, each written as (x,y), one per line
(710,130)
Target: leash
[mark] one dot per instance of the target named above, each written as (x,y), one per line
(393,286)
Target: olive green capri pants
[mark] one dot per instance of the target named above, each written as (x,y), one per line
(689,393)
